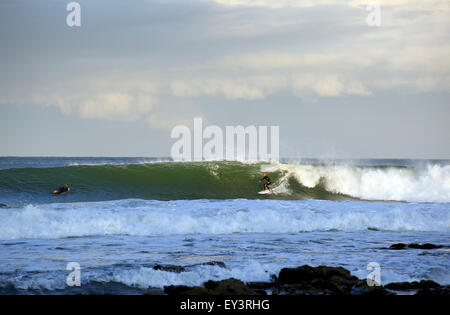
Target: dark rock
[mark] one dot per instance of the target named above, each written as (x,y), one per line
(176,289)
(212,263)
(184,290)
(330,280)
(397,246)
(442,290)
(361,288)
(424,246)
(8,289)
(307,280)
(404,286)
(198,291)
(372,291)
(178,269)
(224,287)
(415,246)
(170,268)
(260,285)
(2,205)
(308,273)
(228,287)
(290,289)
(100,288)
(154,291)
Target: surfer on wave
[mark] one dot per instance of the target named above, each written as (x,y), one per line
(61,190)
(267,183)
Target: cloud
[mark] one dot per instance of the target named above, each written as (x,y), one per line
(107,98)
(275,61)
(116,106)
(170,121)
(321,52)
(277,4)
(254,87)
(230,89)
(274,4)
(327,86)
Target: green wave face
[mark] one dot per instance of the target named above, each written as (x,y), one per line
(160,181)
(226,180)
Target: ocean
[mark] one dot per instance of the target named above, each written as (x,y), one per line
(205,221)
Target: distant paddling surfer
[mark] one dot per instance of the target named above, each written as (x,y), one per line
(267,183)
(61,190)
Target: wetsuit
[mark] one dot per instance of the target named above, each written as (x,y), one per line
(63,189)
(268,182)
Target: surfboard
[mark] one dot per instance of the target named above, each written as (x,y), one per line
(56,192)
(264,192)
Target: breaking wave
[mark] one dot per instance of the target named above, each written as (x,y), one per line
(151,218)
(228,180)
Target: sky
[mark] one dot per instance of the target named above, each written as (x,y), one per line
(336,85)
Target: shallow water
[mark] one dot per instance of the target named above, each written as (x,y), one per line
(41,264)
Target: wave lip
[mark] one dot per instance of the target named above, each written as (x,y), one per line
(427,184)
(150,218)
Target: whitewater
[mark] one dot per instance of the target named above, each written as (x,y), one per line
(153,218)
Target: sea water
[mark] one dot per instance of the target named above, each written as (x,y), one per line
(125,216)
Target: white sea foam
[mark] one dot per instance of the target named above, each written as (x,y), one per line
(119,163)
(142,218)
(428,184)
(144,277)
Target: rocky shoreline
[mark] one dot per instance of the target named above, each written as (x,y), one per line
(307,280)
(301,280)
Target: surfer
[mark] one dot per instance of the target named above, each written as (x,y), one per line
(267,183)
(61,190)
